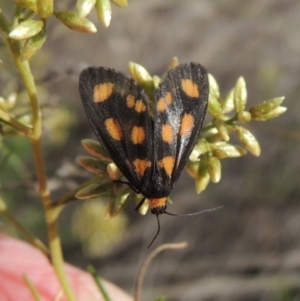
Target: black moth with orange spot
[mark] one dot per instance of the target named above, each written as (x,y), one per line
(150,148)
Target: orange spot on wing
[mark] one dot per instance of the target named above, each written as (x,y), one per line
(113,129)
(157,202)
(140,106)
(187,123)
(167,133)
(163,102)
(138,134)
(130,101)
(103,91)
(167,163)
(190,88)
(141,166)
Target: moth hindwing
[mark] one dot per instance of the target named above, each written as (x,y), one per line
(150,149)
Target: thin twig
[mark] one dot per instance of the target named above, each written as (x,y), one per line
(143,268)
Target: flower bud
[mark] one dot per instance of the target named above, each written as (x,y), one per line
(145,206)
(84,7)
(45,8)
(214,89)
(223,149)
(142,77)
(248,140)
(222,129)
(228,103)
(244,116)
(200,148)
(114,172)
(29,4)
(103,9)
(72,21)
(33,44)
(26,29)
(192,168)
(214,169)
(174,63)
(240,95)
(266,107)
(273,114)
(214,107)
(202,178)
(120,3)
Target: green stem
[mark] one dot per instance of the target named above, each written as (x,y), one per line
(212,124)
(28,236)
(35,294)
(99,283)
(35,138)
(7,118)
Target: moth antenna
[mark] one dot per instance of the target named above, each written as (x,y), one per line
(195,213)
(157,233)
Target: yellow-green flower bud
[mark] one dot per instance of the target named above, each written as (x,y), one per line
(120,3)
(214,89)
(214,169)
(266,107)
(114,172)
(222,129)
(240,95)
(103,9)
(174,63)
(45,8)
(214,107)
(274,113)
(156,81)
(202,177)
(9,102)
(84,7)
(192,168)
(33,44)
(228,103)
(142,77)
(144,208)
(248,140)
(26,29)
(29,4)
(72,21)
(140,74)
(244,116)
(96,149)
(223,149)
(26,119)
(200,148)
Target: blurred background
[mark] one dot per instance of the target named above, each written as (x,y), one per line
(249,249)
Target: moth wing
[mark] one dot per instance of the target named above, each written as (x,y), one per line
(117,109)
(180,107)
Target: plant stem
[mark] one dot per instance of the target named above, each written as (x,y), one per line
(35,138)
(151,256)
(29,237)
(15,123)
